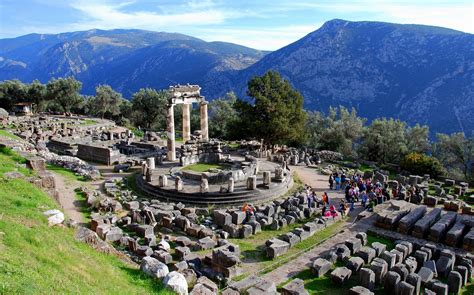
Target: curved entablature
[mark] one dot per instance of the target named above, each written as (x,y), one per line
(185,94)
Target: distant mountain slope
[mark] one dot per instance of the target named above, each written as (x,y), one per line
(420,74)
(127,59)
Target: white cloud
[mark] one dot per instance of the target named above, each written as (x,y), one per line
(104,15)
(261,38)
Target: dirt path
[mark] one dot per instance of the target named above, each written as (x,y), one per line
(67,198)
(318,182)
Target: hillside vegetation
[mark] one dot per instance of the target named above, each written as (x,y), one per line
(37,259)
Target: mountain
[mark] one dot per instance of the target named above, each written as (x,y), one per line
(125,59)
(420,74)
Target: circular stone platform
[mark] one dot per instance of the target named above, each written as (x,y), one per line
(191,188)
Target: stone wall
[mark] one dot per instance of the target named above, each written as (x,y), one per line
(98,154)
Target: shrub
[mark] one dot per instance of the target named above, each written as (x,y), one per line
(420,164)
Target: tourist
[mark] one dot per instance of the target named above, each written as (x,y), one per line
(364,199)
(331,182)
(325,198)
(333,211)
(310,200)
(342,208)
(338,182)
(343,181)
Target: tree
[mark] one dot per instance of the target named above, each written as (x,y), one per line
(107,101)
(456,153)
(420,164)
(149,108)
(222,115)
(64,93)
(384,141)
(339,131)
(11,92)
(418,139)
(276,115)
(36,93)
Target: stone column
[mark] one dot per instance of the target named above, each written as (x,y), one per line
(204,123)
(230,185)
(186,122)
(151,163)
(170,132)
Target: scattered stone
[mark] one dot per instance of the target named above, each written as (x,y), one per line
(320,267)
(176,282)
(154,268)
(341,275)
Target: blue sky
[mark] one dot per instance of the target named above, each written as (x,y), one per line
(261,24)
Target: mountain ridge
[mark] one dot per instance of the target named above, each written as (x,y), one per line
(420,74)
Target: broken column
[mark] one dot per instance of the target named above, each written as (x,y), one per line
(204,121)
(230,185)
(204,188)
(252,182)
(178,183)
(266,178)
(171,156)
(151,163)
(186,122)
(162,180)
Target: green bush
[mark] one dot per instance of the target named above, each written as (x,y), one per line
(420,164)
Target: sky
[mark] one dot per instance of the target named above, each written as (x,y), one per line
(260,24)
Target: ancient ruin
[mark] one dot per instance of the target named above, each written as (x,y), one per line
(191,229)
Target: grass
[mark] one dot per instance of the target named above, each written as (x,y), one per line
(7,134)
(35,258)
(82,204)
(202,167)
(234,145)
(68,174)
(88,122)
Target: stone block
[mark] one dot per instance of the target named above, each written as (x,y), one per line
(320,267)
(414,280)
(380,268)
(355,263)
(425,274)
(367,278)
(359,290)
(404,288)
(367,254)
(291,238)
(440,228)
(276,247)
(246,231)
(402,270)
(206,243)
(390,258)
(222,218)
(295,287)
(406,224)
(379,248)
(411,264)
(354,245)
(238,217)
(455,281)
(340,275)
(391,281)
(342,252)
(362,237)
(422,226)
(444,265)
(462,270)
(182,252)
